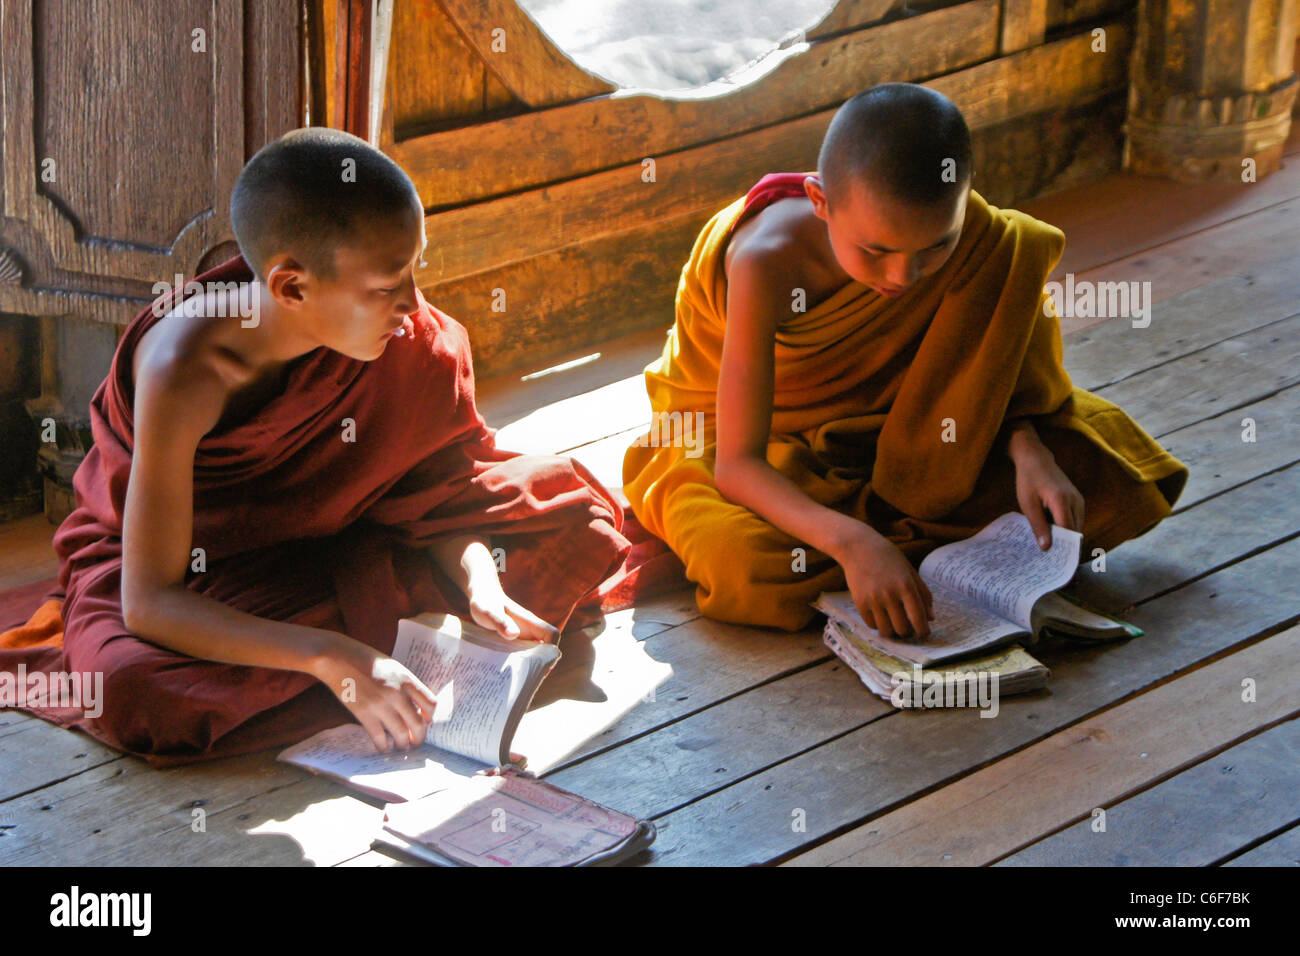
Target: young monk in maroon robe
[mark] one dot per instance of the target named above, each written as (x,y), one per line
(284,468)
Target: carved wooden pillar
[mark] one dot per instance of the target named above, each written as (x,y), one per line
(1212,86)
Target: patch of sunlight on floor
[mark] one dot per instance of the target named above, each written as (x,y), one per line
(592,687)
(328,830)
(583,418)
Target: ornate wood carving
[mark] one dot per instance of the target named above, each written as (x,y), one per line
(1213,86)
(125,127)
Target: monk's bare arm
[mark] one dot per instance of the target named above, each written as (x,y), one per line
(176,403)
(1042,488)
(758,288)
(885,587)
(1020,437)
(467,560)
(175,406)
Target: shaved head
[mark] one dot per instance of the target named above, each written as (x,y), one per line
(899,140)
(310,191)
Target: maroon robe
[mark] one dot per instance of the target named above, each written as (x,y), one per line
(299,525)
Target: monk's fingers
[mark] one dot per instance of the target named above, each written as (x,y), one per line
(402,723)
(423,710)
(898,616)
(531,626)
(876,615)
(375,730)
(1062,507)
(409,711)
(419,692)
(1067,509)
(1038,523)
(493,616)
(916,614)
(423,706)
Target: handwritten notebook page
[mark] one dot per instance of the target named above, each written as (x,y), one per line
(346,753)
(959,627)
(509,820)
(475,687)
(1003,568)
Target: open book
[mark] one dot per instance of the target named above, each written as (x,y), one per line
(483,684)
(991,589)
(454,800)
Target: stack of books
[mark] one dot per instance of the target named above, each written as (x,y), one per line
(991,593)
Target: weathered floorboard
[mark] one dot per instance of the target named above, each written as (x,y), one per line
(1238,370)
(34,754)
(1194,819)
(1096,763)
(1113,350)
(894,759)
(724,736)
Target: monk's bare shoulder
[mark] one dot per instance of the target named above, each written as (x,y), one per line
(782,248)
(192,355)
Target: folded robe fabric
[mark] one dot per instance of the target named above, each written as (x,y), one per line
(885,408)
(316,510)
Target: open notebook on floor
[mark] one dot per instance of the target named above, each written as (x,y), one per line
(510,819)
(483,685)
(989,590)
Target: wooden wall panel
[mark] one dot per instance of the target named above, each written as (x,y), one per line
(519,54)
(581,295)
(112,180)
(1024,24)
(556,301)
(855,14)
(273,92)
(501,156)
(1066,13)
(146,125)
(435,77)
(599,255)
(471,238)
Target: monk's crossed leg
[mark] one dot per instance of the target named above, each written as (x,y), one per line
(157,701)
(746,571)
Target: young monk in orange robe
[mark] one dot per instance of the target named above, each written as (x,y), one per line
(877,371)
(268,493)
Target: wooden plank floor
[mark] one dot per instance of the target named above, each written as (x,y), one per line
(755,747)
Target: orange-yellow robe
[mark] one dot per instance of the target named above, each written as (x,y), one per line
(887,409)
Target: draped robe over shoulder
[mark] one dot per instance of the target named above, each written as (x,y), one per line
(889,409)
(318,510)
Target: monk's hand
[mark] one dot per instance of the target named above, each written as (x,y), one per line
(887,590)
(385,697)
(493,609)
(1042,489)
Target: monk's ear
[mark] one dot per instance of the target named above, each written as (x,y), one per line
(285,281)
(812,187)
